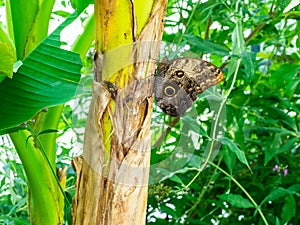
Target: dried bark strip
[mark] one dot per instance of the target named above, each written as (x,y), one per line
(120,197)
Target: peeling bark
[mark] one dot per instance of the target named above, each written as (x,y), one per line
(114,190)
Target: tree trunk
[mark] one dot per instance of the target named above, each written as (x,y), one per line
(112,181)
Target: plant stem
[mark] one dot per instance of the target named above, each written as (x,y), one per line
(243,189)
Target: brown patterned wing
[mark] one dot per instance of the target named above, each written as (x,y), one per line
(178,83)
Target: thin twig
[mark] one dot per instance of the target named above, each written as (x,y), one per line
(207,28)
(255,31)
(164,134)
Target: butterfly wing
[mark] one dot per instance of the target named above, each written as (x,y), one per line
(178,83)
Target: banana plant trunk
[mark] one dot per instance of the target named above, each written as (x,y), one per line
(113,172)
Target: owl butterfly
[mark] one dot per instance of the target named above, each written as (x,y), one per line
(178,83)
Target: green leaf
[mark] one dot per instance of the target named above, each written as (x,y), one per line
(285,78)
(239,153)
(200,45)
(194,126)
(169,175)
(30,21)
(295,188)
(248,60)
(195,161)
(237,201)
(62,13)
(8,219)
(277,221)
(289,209)
(7,61)
(285,118)
(274,149)
(80,5)
(7,55)
(168,210)
(231,68)
(285,73)
(205,10)
(176,179)
(238,43)
(275,194)
(49,76)
(229,158)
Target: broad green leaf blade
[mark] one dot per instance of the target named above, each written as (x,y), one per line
(168,210)
(277,147)
(30,21)
(7,61)
(279,192)
(7,55)
(289,209)
(200,45)
(295,189)
(238,152)
(49,76)
(276,194)
(237,201)
(229,158)
(248,59)
(194,126)
(195,161)
(238,43)
(288,83)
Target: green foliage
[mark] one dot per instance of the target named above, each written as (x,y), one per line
(256,43)
(80,5)
(7,55)
(45,67)
(47,77)
(12,188)
(200,163)
(28,23)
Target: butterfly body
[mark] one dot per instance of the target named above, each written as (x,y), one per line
(178,82)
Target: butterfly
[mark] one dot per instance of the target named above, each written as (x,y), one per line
(178,82)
